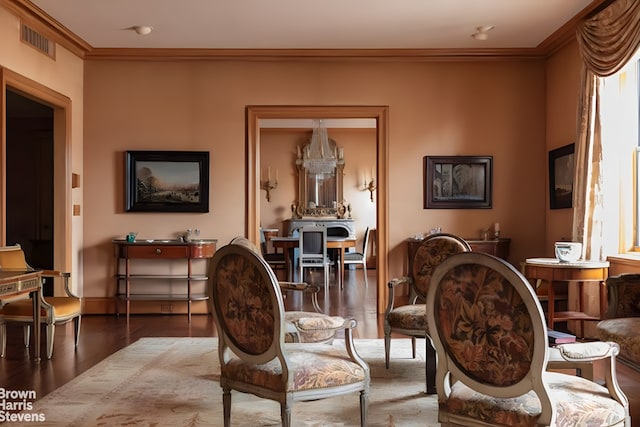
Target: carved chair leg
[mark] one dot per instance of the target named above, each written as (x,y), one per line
(3,338)
(26,334)
(51,330)
(285,414)
(364,405)
(226,405)
(387,347)
(76,326)
(413,346)
(431,367)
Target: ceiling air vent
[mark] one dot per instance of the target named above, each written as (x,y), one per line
(38,41)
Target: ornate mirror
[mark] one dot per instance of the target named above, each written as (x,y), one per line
(320,166)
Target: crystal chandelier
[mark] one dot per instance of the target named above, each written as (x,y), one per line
(320,156)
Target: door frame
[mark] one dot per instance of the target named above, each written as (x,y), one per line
(380,113)
(62,209)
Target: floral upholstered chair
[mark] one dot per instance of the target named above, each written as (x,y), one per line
(622,324)
(411,319)
(249,315)
(303,326)
(489,332)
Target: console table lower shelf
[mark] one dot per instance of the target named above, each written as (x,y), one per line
(143,267)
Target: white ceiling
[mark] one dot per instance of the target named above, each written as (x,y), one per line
(306,24)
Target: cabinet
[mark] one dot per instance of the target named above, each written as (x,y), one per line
(161,262)
(496,247)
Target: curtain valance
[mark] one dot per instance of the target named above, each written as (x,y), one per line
(610,38)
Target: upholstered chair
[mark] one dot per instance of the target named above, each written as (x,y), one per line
(411,318)
(359,257)
(303,326)
(489,332)
(622,324)
(274,259)
(55,310)
(249,315)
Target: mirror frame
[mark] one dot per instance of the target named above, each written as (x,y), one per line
(379,113)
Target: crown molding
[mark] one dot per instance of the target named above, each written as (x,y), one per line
(53,29)
(39,20)
(318,55)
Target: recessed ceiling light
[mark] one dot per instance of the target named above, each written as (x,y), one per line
(142,30)
(482,32)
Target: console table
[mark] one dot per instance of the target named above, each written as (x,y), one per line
(16,283)
(552,271)
(164,251)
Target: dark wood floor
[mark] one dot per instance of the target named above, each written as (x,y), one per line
(102,336)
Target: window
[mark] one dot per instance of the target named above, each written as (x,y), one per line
(620,112)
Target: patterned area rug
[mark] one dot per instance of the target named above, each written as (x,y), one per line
(173,382)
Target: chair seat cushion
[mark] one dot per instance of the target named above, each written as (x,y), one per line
(624,331)
(353,256)
(412,316)
(313,366)
(62,307)
(575,397)
(305,326)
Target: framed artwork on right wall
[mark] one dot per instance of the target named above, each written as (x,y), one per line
(561,170)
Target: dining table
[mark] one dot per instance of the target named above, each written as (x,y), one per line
(289,243)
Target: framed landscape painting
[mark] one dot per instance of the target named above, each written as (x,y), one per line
(457,182)
(561,169)
(167,181)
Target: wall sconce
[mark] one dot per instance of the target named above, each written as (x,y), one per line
(268,185)
(370,186)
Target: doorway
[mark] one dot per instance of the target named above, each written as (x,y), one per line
(379,113)
(29,180)
(46,231)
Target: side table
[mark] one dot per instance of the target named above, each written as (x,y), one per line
(552,271)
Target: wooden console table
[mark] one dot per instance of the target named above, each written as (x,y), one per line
(161,250)
(552,271)
(16,283)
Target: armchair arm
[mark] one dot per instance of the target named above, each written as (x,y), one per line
(65,275)
(393,283)
(591,351)
(588,351)
(306,288)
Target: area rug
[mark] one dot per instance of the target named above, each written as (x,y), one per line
(174,382)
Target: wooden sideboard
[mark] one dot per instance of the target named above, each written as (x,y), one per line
(154,261)
(496,247)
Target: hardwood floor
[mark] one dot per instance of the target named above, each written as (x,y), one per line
(102,336)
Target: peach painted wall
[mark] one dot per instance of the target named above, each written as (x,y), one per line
(563,85)
(465,108)
(65,76)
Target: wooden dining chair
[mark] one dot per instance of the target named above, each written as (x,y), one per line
(313,252)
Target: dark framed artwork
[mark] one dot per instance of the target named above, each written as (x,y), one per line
(561,169)
(457,182)
(167,181)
